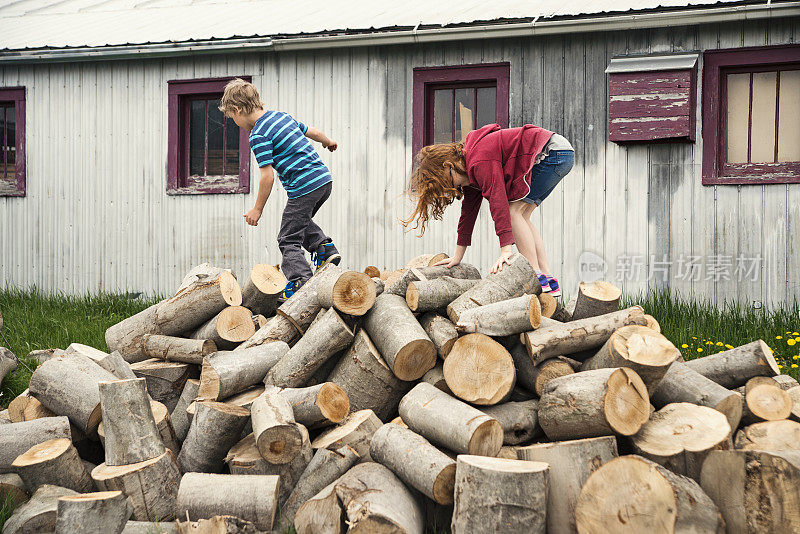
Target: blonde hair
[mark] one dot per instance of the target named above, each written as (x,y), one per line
(240,95)
(431,183)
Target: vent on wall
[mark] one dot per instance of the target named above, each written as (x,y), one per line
(652,98)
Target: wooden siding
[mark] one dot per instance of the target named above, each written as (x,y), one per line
(97,215)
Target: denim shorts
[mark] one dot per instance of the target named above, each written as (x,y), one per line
(546,174)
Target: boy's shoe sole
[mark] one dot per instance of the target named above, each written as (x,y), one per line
(555,292)
(333,258)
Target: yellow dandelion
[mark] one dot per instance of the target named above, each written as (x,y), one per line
(693,337)
(794,366)
(780,337)
(684,346)
(728,346)
(699,349)
(780,366)
(796,357)
(719,343)
(790,342)
(797,338)
(709,342)
(795,334)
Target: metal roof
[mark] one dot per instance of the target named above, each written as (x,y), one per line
(37,24)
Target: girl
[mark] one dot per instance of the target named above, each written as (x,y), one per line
(515,169)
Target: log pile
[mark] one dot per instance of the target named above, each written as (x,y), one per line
(382,401)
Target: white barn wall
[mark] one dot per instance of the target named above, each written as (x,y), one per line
(97,217)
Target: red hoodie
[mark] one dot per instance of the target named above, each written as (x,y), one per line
(498,164)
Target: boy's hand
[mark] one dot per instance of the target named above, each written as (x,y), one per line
(252,216)
(331,145)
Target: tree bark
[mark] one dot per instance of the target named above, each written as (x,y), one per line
(561,339)
(367,380)
(399,285)
(639,348)
(151,485)
(682,384)
(418,463)
(104,512)
(320,405)
(12,489)
(499,495)
(733,368)
(550,369)
(68,385)
(8,362)
(126,336)
(680,436)
(479,370)
(180,420)
(448,422)
(227,373)
(215,428)
(39,513)
(435,377)
(325,338)
(596,298)
(262,288)
(131,435)
(277,435)
(150,527)
(163,423)
(252,498)
(278,328)
(53,462)
(197,303)
(652,323)
(16,438)
(349,292)
(593,404)
(404,345)
(355,431)
(756,491)
(303,306)
(437,293)
(165,380)
(571,463)
(504,318)
(228,328)
(441,331)
(633,494)
(769,436)
(320,514)
(520,420)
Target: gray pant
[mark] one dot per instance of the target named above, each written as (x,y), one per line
(299,232)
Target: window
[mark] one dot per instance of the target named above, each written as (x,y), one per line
(751,104)
(449,102)
(208,153)
(12,141)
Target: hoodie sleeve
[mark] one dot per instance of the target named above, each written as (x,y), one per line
(470,206)
(489,174)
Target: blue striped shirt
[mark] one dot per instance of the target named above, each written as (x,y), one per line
(279,140)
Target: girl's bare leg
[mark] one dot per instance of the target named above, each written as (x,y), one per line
(525,238)
(537,237)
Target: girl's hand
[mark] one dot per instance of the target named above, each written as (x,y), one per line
(505,255)
(448,262)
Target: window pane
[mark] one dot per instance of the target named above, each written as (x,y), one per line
(215,122)
(231,148)
(443,116)
(762,134)
(465,112)
(9,140)
(789,120)
(197,136)
(738,111)
(487,104)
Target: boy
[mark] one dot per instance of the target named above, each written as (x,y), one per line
(279,143)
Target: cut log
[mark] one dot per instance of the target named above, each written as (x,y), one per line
(769,436)
(756,491)
(519,420)
(372,271)
(164,426)
(596,298)
(36,410)
(594,403)
(548,370)
(104,512)
(197,303)
(517,279)
(278,328)
(765,402)
(548,304)
(639,348)
(16,408)
(68,385)
(733,368)
(379,286)
(479,370)
(426,260)
(571,463)
(219,524)
(177,349)
(39,513)
(42,355)
(215,428)
(150,527)
(151,485)
(179,417)
(448,422)
(323,339)
(277,435)
(165,380)
(126,336)
(355,431)
(12,489)
(682,384)
(404,345)
(437,293)
(633,494)
(399,285)
(418,463)
(320,514)
(785,382)
(16,438)
(499,495)
(560,312)
(8,362)
(367,380)
(199,273)
(53,462)
(115,364)
(303,306)
(261,289)
(349,292)
(252,498)
(320,405)
(504,318)
(679,436)
(441,331)
(652,323)
(131,435)
(794,393)
(435,377)
(228,328)
(561,339)
(259,321)
(525,369)
(227,373)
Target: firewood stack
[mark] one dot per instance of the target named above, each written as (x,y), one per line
(388,401)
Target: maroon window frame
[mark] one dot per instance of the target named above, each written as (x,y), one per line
(13,186)
(427,79)
(717,64)
(181,94)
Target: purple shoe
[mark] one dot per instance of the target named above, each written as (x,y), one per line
(546,288)
(555,289)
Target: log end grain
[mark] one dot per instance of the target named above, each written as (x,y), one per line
(487,438)
(768,402)
(769,436)
(372,271)
(333,402)
(354,293)
(229,288)
(626,402)
(479,370)
(268,279)
(548,303)
(414,359)
(235,324)
(280,444)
